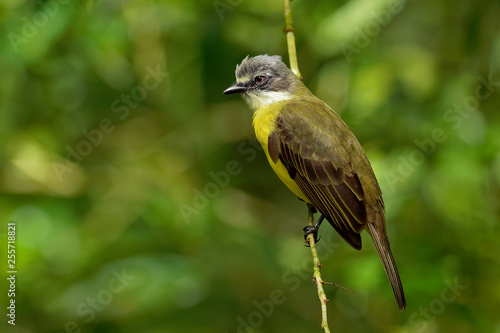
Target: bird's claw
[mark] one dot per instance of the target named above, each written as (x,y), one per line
(308,229)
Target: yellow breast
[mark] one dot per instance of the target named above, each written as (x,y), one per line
(264,122)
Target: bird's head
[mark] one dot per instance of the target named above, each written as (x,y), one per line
(264,80)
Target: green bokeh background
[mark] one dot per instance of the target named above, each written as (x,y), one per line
(174,196)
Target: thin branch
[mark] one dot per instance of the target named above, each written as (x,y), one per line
(294,66)
(317,273)
(290,39)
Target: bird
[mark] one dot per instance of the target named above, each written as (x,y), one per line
(316,156)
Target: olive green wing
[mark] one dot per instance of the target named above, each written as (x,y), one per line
(321,154)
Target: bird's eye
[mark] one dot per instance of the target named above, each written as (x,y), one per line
(260,80)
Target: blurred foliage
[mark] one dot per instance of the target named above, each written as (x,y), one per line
(143,204)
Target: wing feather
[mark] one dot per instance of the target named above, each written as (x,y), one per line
(328,165)
(332,213)
(320,163)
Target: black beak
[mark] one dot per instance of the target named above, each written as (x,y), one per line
(235,89)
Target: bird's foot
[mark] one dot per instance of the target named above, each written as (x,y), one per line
(308,229)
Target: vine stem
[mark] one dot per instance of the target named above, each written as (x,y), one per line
(317,273)
(294,66)
(290,40)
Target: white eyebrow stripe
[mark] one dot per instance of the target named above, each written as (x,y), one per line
(243,79)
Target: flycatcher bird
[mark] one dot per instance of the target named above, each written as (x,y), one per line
(316,155)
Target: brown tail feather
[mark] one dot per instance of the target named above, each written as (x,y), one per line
(385,254)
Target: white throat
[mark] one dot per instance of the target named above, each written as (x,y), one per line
(264,98)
